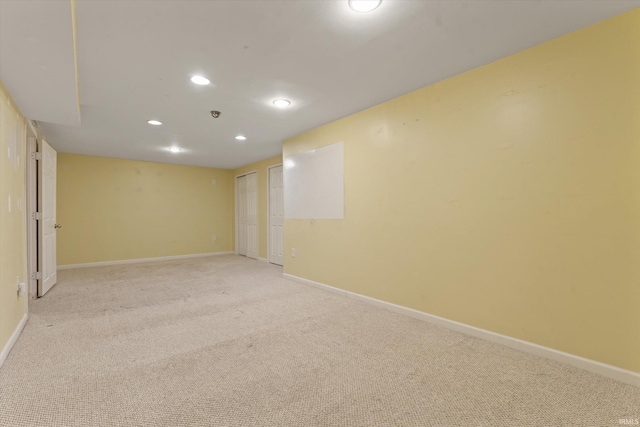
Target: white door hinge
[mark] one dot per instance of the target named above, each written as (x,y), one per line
(36,156)
(37,216)
(36,275)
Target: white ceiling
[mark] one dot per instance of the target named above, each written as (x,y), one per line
(37,59)
(135,59)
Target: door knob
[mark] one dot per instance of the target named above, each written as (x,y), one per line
(57,226)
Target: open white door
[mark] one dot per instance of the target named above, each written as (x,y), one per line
(242,215)
(252,215)
(247,215)
(276,214)
(32,208)
(47,225)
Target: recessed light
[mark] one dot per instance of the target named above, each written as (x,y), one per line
(154,122)
(241,138)
(199,80)
(282,103)
(175,149)
(364,5)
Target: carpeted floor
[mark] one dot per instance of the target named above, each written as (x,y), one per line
(226,341)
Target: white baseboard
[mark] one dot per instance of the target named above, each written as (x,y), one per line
(609,371)
(14,337)
(137,260)
(263,259)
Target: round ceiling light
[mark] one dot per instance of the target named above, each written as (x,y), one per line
(241,138)
(175,149)
(154,122)
(364,5)
(199,80)
(282,103)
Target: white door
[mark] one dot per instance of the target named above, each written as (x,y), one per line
(32,208)
(47,225)
(242,215)
(276,214)
(252,215)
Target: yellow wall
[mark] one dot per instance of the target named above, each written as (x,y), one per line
(507,197)
(261,168)
(12,218)
(115,209)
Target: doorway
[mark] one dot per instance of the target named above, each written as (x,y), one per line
(42,229)
(247,215)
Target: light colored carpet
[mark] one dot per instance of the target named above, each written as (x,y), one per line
(226,341)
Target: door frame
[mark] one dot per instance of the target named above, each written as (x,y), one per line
(31,207)
(269,207)
(236,215)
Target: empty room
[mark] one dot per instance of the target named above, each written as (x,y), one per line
(320,213)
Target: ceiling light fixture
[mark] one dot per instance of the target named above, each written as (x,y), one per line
(282,103)
(154,122)
(199,80)
(363,6)
(241,138)
(175,149)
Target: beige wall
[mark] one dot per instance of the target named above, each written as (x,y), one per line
(261,168)
(12,216)
(115,209)
(507,197)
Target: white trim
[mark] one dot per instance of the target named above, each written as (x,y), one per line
(269,209)
(263,259)
(609,371)
(138,260)
(33,129)
(14,337)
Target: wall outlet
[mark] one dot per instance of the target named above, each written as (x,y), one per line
(293,252)
(214,237)
(21,287)
(213,182)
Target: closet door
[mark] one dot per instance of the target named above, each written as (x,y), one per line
(252,214)
(242,215)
